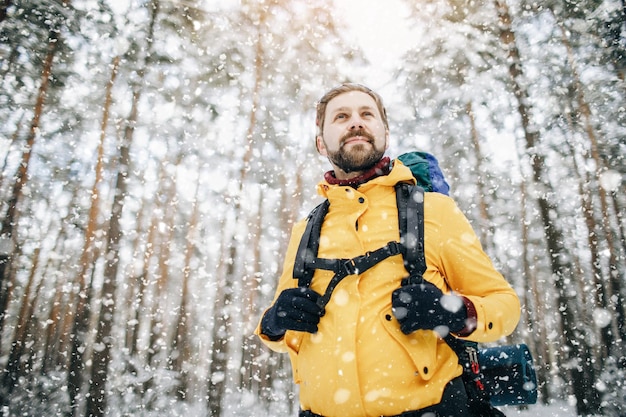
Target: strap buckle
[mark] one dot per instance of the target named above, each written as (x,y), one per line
(348,267)
(394,248)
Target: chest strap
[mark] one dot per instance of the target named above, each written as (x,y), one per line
(355,266)
(409,201)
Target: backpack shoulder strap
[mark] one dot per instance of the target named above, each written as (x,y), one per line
(411,222)
(410,202)
(309,245)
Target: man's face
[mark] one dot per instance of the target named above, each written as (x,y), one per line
(354,136)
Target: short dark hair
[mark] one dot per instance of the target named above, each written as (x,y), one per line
(345,88)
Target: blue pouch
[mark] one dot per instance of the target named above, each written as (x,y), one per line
(508,373)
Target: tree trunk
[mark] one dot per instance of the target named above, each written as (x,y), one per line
(613,282)
(218,367)
(138,302)
(4,5)
(82,314)
(222,328)
(485,229)
(79,322)
(143,282)
(53,345)
(536,307)
(576,347)
(157,351)
(180,352)
(96,401)
(619,215)
(57,339)
(274,367)
(598,292)
(12,369)
(251,348)
(8,239)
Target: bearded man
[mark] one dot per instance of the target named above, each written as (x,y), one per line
(377,348)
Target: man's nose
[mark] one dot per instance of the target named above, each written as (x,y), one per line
(356,122)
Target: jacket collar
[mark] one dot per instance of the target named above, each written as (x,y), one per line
(382,167)
(398,173)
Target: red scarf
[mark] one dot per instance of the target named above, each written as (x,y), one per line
(382,167)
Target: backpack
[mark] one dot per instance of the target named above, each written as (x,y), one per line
(512,379)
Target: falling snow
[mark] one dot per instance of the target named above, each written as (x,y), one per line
(155,154)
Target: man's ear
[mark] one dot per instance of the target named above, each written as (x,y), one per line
(386,139)
(320,146)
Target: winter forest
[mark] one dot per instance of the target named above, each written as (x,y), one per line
(154,155)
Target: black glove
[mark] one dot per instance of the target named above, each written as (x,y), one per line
(294,309)
(424,306)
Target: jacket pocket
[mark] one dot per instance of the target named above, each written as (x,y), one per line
(420,346)
(294,343)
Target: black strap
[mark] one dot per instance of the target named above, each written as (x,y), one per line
(409,200)
(354,266)
(309,245)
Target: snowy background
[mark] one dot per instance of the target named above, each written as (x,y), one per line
(155,153)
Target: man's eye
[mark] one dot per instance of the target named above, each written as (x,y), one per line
(341,116)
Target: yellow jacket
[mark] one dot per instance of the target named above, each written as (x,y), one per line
(359,363)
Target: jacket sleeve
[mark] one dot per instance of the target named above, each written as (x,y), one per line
(290,342)
(468,271)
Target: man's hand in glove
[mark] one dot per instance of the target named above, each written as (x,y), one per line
(424,306)
(294,309)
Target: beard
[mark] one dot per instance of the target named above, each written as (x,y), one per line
(359,157)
